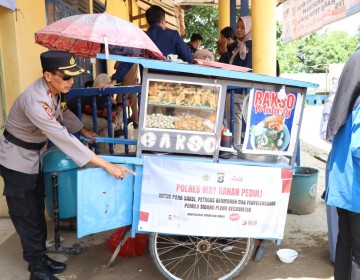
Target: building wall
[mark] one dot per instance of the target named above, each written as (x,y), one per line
(323,79)
(19,55)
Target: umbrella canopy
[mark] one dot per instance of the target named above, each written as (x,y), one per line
(83,35)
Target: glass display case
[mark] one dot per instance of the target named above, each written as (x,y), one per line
(182,106)
(180,114)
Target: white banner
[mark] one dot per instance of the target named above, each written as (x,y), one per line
(306,16)
(211,199)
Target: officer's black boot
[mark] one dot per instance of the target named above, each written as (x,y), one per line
(39,271)
(53,266)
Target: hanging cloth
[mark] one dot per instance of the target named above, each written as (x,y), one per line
(347,95)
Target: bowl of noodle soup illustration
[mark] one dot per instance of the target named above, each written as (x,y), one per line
(271,134)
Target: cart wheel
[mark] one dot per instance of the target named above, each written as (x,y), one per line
(198,257)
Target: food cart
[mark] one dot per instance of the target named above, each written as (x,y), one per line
(202,211)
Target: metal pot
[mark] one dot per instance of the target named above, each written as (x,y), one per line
(254,157)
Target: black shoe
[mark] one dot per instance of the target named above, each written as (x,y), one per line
(135,125)
(129,120)
(42,274)
(323,195)
(118,133)
(53,266)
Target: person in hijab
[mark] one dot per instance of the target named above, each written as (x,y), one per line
(241,56)
(343,190)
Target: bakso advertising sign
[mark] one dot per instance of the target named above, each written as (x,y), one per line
(273,120)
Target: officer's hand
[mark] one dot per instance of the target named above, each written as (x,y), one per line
(88,134)
(116,170)
(119,171)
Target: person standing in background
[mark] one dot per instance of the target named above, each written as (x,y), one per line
(168,41)
(126,74)
(226,44)
(132,77)
(195,42)
(343,191)
(331,211)
(241,56)
(101,113)
(34,118)
(334,85)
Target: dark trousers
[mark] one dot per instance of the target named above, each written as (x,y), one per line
(25,194)
(347,260)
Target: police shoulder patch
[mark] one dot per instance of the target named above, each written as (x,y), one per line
(48,110)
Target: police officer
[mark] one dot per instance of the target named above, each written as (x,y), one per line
(34,118)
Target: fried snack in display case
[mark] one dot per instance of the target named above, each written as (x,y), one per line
(181,115)
(182,120)
(182,106)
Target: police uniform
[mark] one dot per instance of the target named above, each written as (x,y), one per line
(34,118)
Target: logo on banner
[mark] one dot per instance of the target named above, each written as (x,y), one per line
(206,177)
(220,177)
(234,217)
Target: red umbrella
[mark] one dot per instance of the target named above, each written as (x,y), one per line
(84,34)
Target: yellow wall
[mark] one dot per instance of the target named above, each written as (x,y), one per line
(19,55)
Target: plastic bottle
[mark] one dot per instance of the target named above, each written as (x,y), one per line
(222,133)
(226,143)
